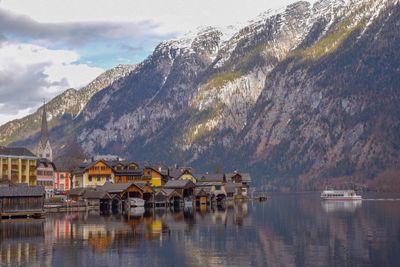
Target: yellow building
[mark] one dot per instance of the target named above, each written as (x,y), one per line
(18,165)
(187,175)
(97,174)
(155,178)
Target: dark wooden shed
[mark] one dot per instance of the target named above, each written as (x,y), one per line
(21,201)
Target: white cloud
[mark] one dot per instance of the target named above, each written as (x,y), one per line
(171,15)
(29,73)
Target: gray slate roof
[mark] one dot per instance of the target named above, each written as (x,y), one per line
(179,184)
(95,194)
(79,191)
(22,191)
(175,173)
(246,177)
(114,188)
(212,177)
(207,184)
(15,151)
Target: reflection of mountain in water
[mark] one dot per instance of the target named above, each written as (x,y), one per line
(334,206)
(287,230)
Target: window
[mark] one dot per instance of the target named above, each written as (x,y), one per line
(98,179)
(90,178)
(217,187)
(62,176)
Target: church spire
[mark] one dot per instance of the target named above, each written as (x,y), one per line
(44,148)
(44,135)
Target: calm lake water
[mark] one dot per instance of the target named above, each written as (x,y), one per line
(287,230)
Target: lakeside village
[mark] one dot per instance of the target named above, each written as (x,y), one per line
(32,184)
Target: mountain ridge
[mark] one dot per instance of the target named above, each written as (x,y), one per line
(276,99)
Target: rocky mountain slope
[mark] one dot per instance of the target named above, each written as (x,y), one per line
(65,106)
(299,97)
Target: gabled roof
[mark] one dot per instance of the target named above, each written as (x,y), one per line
(95,194)
(174,173)
(22,191)
(149,167)
(45,162)
(246,177)
(15,151)
(97,161)
(179,184)
(115,188)
(171,192)
(128,172)
(79,191)
(207,184)
(142,185)
(212,177)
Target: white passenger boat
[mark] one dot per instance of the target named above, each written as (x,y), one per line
(137,202)
(340,195)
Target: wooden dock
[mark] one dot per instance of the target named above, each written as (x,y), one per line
(27,214)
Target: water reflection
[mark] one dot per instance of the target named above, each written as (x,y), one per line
(337,205)
(289,230)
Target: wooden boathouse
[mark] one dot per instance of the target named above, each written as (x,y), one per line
(21,201)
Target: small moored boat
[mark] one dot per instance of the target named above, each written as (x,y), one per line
(137,202)
(340,195)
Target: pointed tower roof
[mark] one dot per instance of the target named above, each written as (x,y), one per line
(44,135)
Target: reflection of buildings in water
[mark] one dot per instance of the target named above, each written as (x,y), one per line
(136,212)
(22,242)
(337,205)
(63,229)
(241,211)
(219,216)
(276,252)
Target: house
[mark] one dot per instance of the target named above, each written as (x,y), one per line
(97,198)
(21,200)
(63,180)
(97,174)
(187,175)
(152,175)
(77,176)
(174,196)
(211,177)
(242,180)
(76,194)
(216,190)
(18,165)
(122,192)
(203,195)
(185,188)
(128,176)
(127,172)
(45,175)
(160,198)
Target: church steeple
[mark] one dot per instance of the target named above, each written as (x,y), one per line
(44,136)
(44,148)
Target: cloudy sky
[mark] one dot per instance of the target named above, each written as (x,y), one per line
(48,46)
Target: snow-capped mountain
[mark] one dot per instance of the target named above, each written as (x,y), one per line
(298,96)
(65,106)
